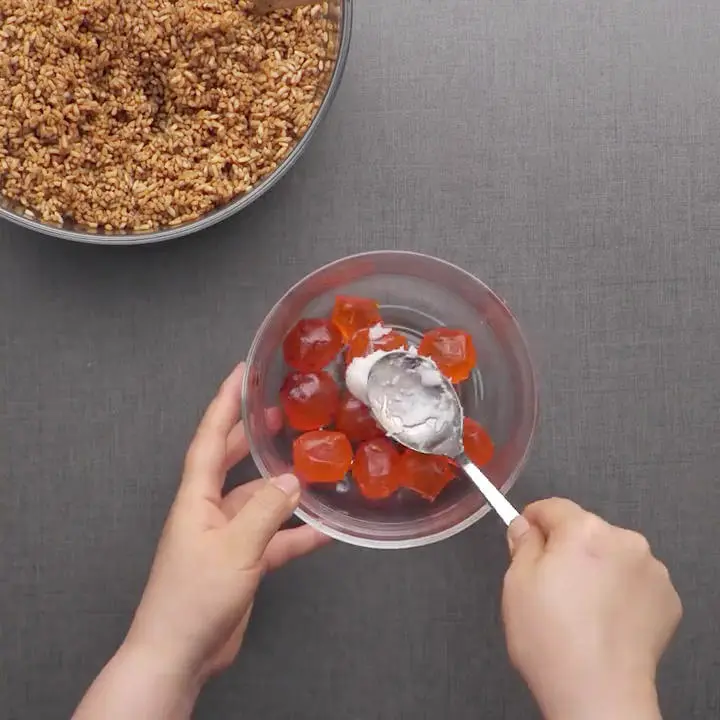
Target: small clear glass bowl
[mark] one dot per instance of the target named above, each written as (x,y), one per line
(416,293)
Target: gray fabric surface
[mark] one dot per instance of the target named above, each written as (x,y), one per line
(566,152)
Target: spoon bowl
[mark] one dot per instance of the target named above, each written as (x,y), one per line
(419,408)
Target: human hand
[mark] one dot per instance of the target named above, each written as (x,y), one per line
(588,613)
(214,550)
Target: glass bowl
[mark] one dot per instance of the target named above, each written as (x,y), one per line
(340,14)
(416,293)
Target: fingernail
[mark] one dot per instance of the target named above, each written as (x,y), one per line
(516,531)
(289,484)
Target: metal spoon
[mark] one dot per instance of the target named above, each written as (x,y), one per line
(417,406)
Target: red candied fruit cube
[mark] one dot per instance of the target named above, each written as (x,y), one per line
(355,420)
(478,443)
(427,475)
(351,314)
(375,468)
(378,337)
(322,456)
(309,400)
(452,350)
(312,344)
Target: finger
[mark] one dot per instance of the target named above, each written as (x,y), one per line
(235,500)
(238,445)
(526,542)
(205,461)
(289,545)
(261,517)
(550,515)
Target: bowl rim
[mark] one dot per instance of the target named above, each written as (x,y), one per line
(234,206)
(393,544)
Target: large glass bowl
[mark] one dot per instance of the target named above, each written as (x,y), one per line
(416,293)
(340,13)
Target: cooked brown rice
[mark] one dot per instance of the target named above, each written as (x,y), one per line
(135,114)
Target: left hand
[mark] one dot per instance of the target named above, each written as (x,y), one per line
(214,550)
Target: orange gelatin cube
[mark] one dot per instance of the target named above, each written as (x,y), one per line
(322,456)
(356,421)
(375,468)
(351,314)
(452,350)
(312,344)
(427,475)
(378,337)
(478,443)
(309,400)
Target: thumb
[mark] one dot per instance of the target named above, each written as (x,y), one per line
(262,516)
(524,540)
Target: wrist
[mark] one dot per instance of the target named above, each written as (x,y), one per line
(638,701)
(164,651)
(139,684)
(161,666)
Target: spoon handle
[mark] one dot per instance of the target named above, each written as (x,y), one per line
(497,500)
(263,7)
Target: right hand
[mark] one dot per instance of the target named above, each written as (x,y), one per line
(588,613)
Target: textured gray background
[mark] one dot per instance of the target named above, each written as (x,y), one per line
(565,151)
